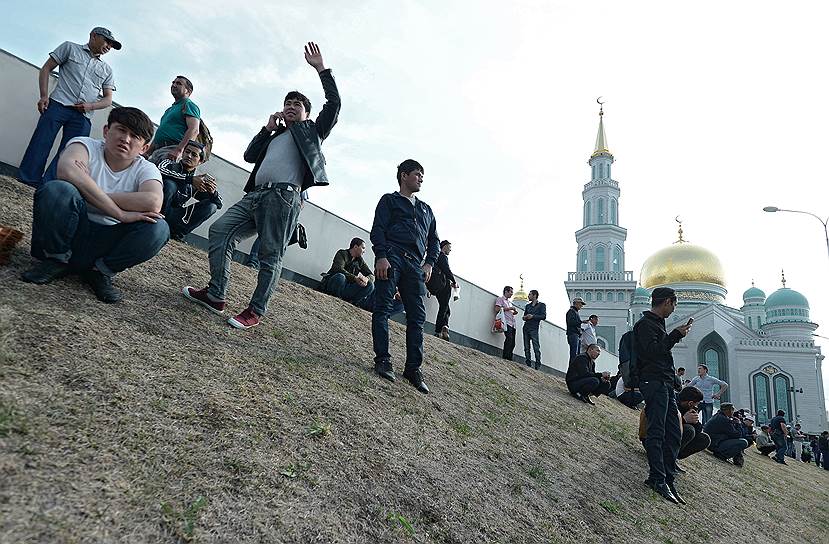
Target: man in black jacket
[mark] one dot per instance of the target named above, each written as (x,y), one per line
(694,440)
(726,436)
(574,322)
(444,278)
(405,244)
(583,380)
(349,277)
(653,373)
(288,160)
(534,313)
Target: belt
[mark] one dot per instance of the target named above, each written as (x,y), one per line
(272,185)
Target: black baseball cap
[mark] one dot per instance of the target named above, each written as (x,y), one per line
(107,33)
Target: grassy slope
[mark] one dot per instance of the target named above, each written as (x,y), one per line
(153,421)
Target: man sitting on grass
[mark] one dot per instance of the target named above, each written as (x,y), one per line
(101,216)
(765,445)
(582,378)
(725,433)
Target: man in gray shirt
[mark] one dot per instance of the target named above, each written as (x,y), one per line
(85,85)
(705,383)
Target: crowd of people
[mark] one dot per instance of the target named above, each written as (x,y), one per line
(103,206)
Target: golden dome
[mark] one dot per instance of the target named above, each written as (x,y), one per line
(679,263)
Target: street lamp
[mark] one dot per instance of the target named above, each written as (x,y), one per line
(772,209)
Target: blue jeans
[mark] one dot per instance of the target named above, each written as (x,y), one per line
(61,231)
(272,214)
(55,117)
(631,399)
(405,274)
(781,445)
(253,256)
(573,342)
(731,447)
(354,293)
(664,434)
(531,337)
(706,411)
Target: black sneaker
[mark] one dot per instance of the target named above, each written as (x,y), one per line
(45,272)
(415,378)
(101,285)
(384,369)
(739,460)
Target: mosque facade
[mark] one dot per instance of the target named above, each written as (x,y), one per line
(765,349)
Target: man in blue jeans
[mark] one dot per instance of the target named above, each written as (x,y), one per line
(102,215)
(349,277)
(779,435)
(652,371)
(85,85)
(406,246)
(574,322)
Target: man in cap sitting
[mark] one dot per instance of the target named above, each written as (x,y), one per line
(582,378)
(726,435)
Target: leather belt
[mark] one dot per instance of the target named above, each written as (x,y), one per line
(272,185)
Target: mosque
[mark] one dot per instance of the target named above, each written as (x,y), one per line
(765,349)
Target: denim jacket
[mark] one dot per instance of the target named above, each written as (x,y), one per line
(409,228)
(308,136)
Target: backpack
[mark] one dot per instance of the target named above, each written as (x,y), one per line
(203,137)
(627,360)
(437,282)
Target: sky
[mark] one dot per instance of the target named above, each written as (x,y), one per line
(712,112)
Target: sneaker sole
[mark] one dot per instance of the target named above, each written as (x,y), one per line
(188,296)
(233,323)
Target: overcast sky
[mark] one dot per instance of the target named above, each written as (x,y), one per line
(713,111)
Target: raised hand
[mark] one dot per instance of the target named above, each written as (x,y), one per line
(274,120)
(314,57)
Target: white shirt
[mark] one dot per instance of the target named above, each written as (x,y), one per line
(588,334)
(124,181)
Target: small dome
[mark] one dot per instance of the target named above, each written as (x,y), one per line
(786,297)
(753,292)
(641,295)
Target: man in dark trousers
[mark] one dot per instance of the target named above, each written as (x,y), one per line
(823,447)
(779,434)
(442,282)
(653,373)
(534,313)
(349,277)
(583,380)
(727,440)
(405,244)
(694,439)
(574,322)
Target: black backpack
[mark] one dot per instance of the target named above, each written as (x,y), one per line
(437,282)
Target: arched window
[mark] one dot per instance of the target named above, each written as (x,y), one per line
(583,260)
(614,212)
(617,259)
(600,261)
(607,171)
(600,213)
(588,211)
(588,296)
(599,296)
(749,322)
(782,398)
(610,296)
(620,296)
(762,398)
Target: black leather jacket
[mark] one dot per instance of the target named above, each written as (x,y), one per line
(308,136)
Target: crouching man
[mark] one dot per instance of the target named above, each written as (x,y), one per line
(582,378)
(181,185)
(349,277)
(101,216)
(724,430)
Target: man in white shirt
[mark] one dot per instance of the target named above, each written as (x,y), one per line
(588,332)
(504,303)
(705,383)
(101,216)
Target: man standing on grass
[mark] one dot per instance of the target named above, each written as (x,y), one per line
(705,383)
(406,246)
(534,313)
(574,322)
(779,434)
(504,303)
(653,373)
(85,85)
(288,159)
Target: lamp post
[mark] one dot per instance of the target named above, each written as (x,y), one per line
(773,209)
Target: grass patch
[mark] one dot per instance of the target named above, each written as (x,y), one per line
(398,520)
(461,427)
(611,507)
(537,473)
(183,523)
(318,429)
(11,421)
(295,470)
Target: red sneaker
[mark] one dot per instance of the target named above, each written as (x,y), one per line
(244,320)
(199,296)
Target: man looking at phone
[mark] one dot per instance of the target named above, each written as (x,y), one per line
(287,159)
(705,383)
(694,440)
(653,373)
(583,380)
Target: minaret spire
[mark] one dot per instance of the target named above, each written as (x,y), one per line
(601,139)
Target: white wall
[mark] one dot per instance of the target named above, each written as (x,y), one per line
(471,315)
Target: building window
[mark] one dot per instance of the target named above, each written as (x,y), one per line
(620,296)
(614,212)
(762,400)
(599,296)
(600,219)
(782,398)
(749,322)
(600,262)
(617,259)
(587,210)
(583,260)
(588,296)
(610,296)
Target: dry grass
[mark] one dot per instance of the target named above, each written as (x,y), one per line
(152,421)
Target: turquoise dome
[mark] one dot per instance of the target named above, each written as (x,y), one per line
(786,297)
(641,295)
(753,292)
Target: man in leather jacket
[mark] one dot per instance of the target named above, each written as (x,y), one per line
(288,160)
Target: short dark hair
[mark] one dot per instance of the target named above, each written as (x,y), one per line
(690,393)
(198,145)
(682,368)
(296,95)
(594,315)
(534,292)
(407,167)
(508,288)
(702,365)
(445,243)
(781,413)
(660,295)
(187,83)
(134,119)
(356,242)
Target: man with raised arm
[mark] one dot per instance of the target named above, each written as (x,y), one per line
(406,247)
(85,85)
(101,216)
(287,159)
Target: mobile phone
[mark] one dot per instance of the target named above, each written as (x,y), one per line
(690,321)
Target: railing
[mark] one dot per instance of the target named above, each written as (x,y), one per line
(627,275)
(769,343)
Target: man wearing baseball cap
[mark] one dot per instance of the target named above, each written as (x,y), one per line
(85,85)
(574,322)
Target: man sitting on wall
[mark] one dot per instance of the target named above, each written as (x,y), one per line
(181,185)
(349,277)
(101,216)
(726,436)
(582,378)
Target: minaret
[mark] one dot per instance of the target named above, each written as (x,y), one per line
(600,277)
